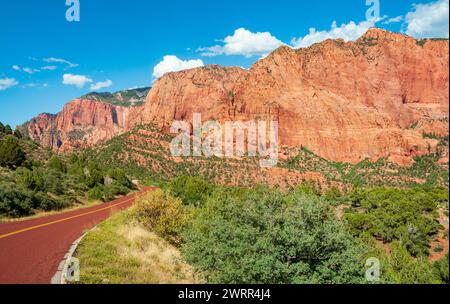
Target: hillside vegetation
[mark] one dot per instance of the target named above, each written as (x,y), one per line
(261,235)
(33,179)
(144,153)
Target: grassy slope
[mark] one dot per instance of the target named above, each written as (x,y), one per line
(121,251)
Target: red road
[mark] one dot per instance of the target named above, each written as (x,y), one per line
(31,250)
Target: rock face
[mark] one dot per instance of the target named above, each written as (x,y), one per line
(81,123)
(345,101)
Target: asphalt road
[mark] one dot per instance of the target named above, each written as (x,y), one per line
(31,250)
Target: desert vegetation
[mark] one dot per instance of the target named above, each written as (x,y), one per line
(33,179)
(262,235)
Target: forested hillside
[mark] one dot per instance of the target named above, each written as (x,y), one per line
(34,179)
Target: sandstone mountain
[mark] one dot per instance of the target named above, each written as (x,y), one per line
(344,101)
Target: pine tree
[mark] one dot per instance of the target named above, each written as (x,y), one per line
(11,153)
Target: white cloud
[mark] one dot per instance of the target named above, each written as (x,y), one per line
(244,42)
(49,67)
(16,67)
(172,63)
(349,32)
(30,85)
(6,83)
(428,20)
(30,70)
(101,85)
(77,80)
(393,20)
(61,60)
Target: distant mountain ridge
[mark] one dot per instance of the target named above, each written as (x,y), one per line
(131,97)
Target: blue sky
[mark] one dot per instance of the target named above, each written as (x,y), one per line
(46,61)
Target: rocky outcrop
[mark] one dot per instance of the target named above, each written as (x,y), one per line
(345,101)
(81,123)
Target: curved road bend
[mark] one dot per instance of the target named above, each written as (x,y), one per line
(31,250)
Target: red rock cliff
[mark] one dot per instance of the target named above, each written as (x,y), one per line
(345,101)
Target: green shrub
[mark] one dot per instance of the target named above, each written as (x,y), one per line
(24,177)
(441,269)
(11,153)
(261,236)
(120,176)
(406,215)
(191,190)
(95,193)
(410,270)
(15,202)
(162,213)
(56,164)
(112,190)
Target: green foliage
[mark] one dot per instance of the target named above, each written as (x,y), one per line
(388,214)
(333,194)
(17,134)
(120,177)
(262,236)
(161,212)
(57,182)
(128,98)
(15,202)
(410,270)
(25,178)
(113,190)
(93,175)
(441,269)
(95,193)
(56,164)
(421,42)
(11,153)
(191,190)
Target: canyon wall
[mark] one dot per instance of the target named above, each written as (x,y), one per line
(345,101)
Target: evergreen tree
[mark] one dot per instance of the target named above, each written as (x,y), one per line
(11,153)
(17,134)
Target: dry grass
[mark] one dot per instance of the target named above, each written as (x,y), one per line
(121,251)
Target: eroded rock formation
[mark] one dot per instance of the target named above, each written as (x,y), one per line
(345,101)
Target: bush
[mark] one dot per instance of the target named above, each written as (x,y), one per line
(441,269)
(48,181)
(45,203)
(410,270)
(25,178)
(93,176)
(95,193)
(11,153)
(17,134)
(406,215)
(15,202)
(333,194)
(261,236)
(121,178)
(191,190)
(162,213)
(56,164)
(112,190)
